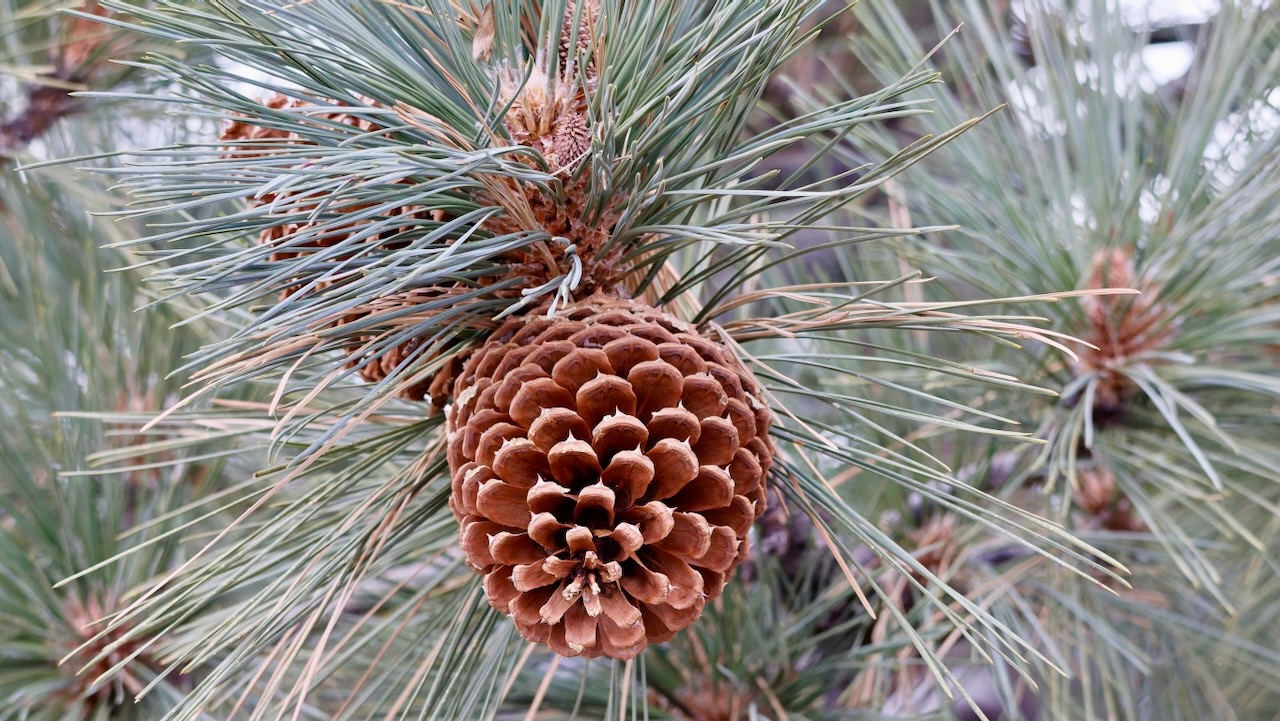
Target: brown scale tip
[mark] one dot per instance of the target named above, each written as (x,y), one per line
(607,464)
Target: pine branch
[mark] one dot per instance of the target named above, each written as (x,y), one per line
(428,184)
(45,106)
(75,56)
(1108,183)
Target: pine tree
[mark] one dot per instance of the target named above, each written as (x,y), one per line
(72,347)
(565,359)
(1161,447)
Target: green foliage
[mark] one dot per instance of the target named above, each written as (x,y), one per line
(340,589)
(277,543)
(1093,176)
(70,341)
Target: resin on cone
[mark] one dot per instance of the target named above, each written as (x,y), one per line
(607,463)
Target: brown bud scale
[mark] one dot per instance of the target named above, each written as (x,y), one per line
(607,464)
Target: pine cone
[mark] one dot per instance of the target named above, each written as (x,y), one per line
(376,361)
(80,55)
(1095,492)
(577,39)
(1119,327)
(607,464)
(279,235)
(239,131)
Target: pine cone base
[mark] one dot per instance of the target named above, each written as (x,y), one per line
(607,464)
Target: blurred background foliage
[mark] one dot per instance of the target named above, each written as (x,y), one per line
(72,345)
(1137,145)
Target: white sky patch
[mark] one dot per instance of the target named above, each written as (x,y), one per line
(1146,71)
(1081,215)
(1026,98)
(1168,12)
(1153,199)
(251,80)
(1137,14)
(1235,135)
(1166,62)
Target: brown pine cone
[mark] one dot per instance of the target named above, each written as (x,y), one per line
(283,237)
(378,363)
(241,130)
(1096,490)
(577,39)
(607,464)
(80,55)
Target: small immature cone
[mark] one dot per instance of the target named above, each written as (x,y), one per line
(1119,326)
(1096,490)
(1104,505)
(607,464)
(935,543)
